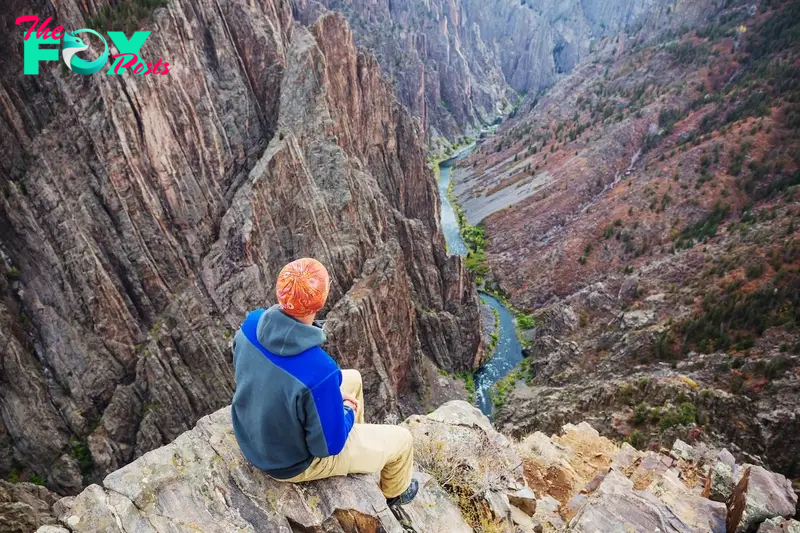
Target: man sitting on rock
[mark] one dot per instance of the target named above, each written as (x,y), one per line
(296,415)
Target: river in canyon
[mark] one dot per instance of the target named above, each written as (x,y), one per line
(508,352)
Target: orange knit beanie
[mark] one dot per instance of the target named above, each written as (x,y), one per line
(302,287)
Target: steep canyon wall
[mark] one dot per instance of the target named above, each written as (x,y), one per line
(460,64)
(143,216)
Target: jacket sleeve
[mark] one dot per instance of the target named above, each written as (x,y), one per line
(327,420)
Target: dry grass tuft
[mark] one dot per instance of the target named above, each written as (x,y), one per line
(466,473)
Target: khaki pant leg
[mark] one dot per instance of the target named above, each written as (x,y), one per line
(370,448)
(351,383)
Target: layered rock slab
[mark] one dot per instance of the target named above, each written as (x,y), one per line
(471,478)
(201,482)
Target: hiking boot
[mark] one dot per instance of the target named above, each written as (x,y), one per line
(406,497)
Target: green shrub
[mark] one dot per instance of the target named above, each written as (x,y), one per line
(13,476)
(641,414)
(636,439)
(626,392)
(525,321)
(688,414)
(667,118)
(737,383)
(469,383)
(779,32)
(655,415)
(494,337)
(754,104)
(477,263)
(502,388)
(704,229)
(669,418)
(474,236)
(687,53)
(80,452)
(777,367)
(664,346)
(684,415)
(755,271)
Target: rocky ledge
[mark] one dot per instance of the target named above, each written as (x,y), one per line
(472,477)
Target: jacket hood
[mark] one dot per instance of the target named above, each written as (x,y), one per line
(283,335)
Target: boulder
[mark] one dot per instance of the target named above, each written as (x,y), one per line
(695,512)
(471,477)
(760,495)
(524,499)
(628,289)
(779,525)
(617,506)
(524,522)
(637,319)
(626,457)
(595,486)
(547,513)
(562,465)
(722,477)
(65,475)
(682,450)
(432,510)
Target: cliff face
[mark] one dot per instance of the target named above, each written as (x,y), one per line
(142,217)
(441,68)
(537,41)
(458,64)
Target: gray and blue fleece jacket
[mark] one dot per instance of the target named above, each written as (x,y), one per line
(287,408)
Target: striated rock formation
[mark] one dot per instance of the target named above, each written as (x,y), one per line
(537,41)
(441,68)
(458,64)
(472,479)
(143,216)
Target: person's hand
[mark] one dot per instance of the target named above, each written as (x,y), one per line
(351,400)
